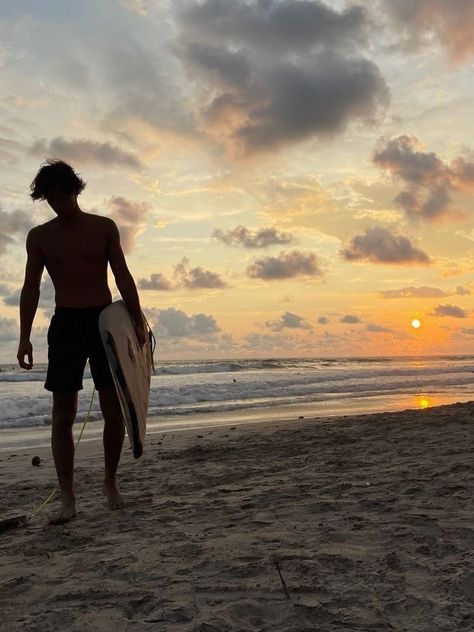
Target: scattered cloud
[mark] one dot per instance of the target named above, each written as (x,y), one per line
(8,329)
(449,310)
(423,291)
(451,22)
(350,319)
(467,331)
(12,225)
(323,320)
(285,266)
(412,292)
(174,323)
(156,282)
(85,152)
(196,278)
(378,329)
(288,320)
(380,245)
(276,72)
(261,238)
(429,181)
(129,217)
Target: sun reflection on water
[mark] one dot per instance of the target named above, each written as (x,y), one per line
(423,401)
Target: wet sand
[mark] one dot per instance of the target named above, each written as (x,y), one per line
(356,523)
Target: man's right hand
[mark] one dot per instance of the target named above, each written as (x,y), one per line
(25,348)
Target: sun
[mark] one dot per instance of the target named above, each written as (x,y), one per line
(415,323)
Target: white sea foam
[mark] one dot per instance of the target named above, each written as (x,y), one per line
(182,388)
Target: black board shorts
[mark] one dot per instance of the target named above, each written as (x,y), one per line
(74,338)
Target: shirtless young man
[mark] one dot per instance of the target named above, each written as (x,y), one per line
(75,248)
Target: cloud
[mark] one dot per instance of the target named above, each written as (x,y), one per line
(156,282)
(323,320)
(84,152)
(8,329)
(451,22)
(350,319)
(429,181)
(467,331)
(174,323)
(278,73)
(129,217)
(412,292)
(378,329)
(449,310)
(462,291)
(261,238)
(379,245)
(12,225)
(46,300)
(288,320)
(195,278)
(275,26)
(285,266)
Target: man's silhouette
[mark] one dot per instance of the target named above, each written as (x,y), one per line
(75,248)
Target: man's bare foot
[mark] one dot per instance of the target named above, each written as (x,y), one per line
(114,499)
(67,513)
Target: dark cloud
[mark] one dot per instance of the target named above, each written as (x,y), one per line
(242,236)
(85,152)
(155,282)
(379,245)
(462,291)
(288,320)
(449,310)
(275,26)
(467,331)
(451,22)
(323,320)
(410,292)
(129,217)
(428,179)
(195,278)
(285,266)
(12,225)
(4,289)
(277,72)
(350,319)
(378,329)
(174,323)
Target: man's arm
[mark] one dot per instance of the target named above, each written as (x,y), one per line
(124,280)
(29,297)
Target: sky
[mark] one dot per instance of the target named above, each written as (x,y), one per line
(289,177)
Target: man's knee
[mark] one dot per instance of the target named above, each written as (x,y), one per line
(64,408)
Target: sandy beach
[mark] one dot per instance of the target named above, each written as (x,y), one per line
(356,523)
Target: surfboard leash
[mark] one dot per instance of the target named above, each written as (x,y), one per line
(152,343)
(52,495)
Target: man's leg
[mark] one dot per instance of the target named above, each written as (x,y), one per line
(114,432)
(64,413)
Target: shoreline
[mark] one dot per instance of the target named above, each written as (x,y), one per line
(369,520)
(26,437)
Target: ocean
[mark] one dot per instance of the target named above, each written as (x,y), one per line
(219,390)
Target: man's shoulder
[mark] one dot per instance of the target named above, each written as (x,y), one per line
(38,231)
(100,220)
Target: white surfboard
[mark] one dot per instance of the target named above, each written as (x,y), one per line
(131,367)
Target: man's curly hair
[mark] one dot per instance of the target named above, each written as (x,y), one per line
(56,175)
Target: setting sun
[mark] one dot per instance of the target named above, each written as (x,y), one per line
(416,324)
